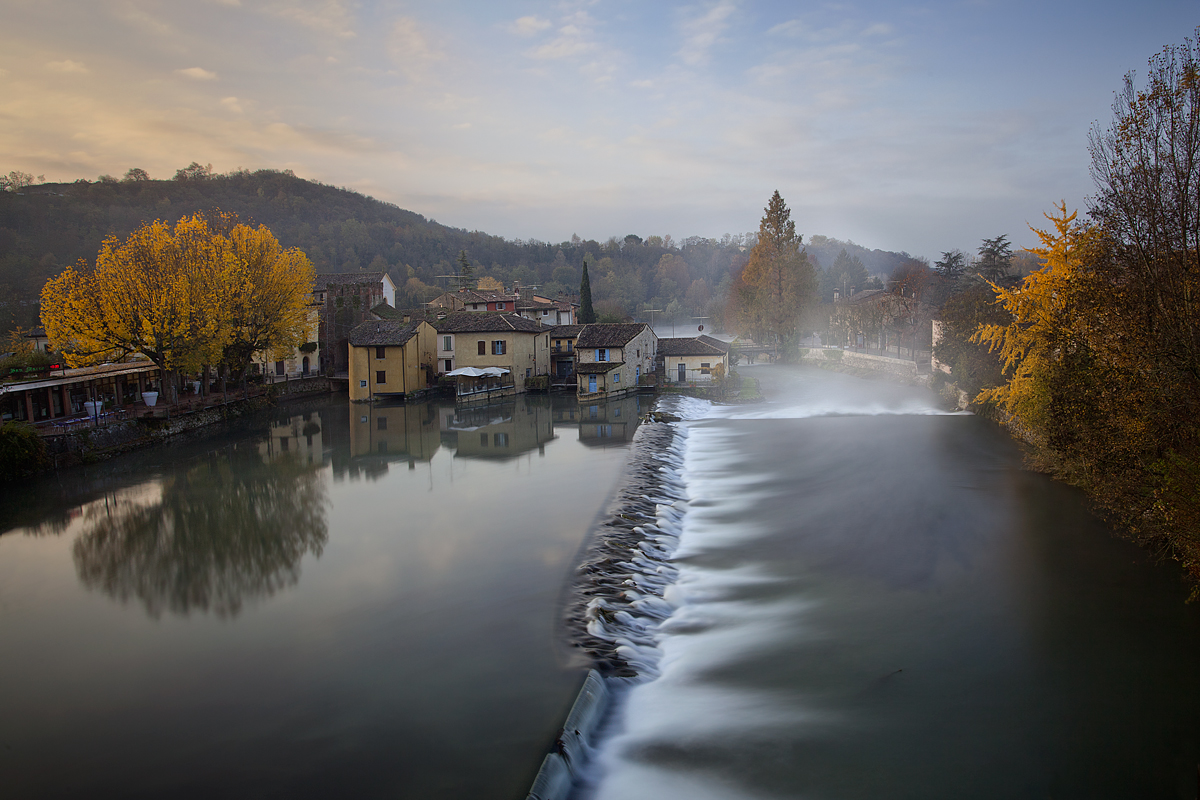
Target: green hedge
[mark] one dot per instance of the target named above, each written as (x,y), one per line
(22,451)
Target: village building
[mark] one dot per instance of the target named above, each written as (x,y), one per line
(612,359)
(522,301)
(562,352)
(345,301)
(59,394)
(689,361)
(513,348)
(301,361)
(389,359)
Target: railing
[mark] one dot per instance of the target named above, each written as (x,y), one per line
(568,349)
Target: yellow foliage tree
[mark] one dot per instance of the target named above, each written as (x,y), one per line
(182,296)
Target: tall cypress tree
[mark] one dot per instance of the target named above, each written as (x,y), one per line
(587,314)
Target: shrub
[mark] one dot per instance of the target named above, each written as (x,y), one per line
(22,451)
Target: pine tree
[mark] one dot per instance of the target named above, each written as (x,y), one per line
(587,314)
(466,273)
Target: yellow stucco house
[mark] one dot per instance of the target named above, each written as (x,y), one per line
(391,359)
(505,342)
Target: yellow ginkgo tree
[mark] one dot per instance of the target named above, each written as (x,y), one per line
(203,291)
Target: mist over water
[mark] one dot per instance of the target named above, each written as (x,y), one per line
(875,599)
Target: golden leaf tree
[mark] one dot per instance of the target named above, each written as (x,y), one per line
(777,282)
(183,296)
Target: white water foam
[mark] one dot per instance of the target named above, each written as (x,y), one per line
(701,623)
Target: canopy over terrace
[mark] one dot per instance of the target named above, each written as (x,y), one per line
(64,395)
(472,381)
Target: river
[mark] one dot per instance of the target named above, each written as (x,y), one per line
(873,599)
(339,601)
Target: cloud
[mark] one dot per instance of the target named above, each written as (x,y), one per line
(878,29)
(323,16)
(232,103)
(528,26)
(702,33)
(198,74)
(410,48)
(67,67)
(572,40)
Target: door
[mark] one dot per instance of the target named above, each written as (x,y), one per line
(683,373)
(592,384)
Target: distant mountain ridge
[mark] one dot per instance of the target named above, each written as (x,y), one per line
(45,227)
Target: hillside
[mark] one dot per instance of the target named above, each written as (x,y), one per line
(48,226)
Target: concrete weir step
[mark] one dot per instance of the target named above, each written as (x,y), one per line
(562,766)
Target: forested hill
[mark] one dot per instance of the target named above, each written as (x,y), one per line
(45,227)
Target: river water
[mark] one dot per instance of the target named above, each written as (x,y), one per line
(342,601)
(873,599)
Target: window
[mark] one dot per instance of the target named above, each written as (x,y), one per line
(381,423)
(474,306)
(499,306)
(498,347)
(500,439)
(380,352)
(362,384)
(483,440)
(283,443)
(363,418)
(449,365)
(448,344)
(528,372)
(545,313)
(278,367)
(704,367)
(380,376)
(602,354)
(617,376)
(483,348)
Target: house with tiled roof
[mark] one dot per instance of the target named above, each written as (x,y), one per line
(503,341)
(390,359)
(690,360)
(613,359)
(562,351)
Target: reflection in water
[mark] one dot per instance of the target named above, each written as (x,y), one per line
(612,422)
(498,430)
(222,532)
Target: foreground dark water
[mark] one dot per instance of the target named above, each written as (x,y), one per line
(341,602)
(877,601)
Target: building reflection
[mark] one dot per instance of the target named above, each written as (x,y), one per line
(612,422)
(498,431)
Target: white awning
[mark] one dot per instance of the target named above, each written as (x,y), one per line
(475,372)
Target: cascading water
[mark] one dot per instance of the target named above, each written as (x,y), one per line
(850,593)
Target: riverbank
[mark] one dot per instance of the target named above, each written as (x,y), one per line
(108,440)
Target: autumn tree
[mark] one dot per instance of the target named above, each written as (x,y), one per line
(182,296)
(776,283)
(265,296)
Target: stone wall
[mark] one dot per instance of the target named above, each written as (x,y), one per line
(854,363)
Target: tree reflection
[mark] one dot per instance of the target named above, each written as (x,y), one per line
(230,530)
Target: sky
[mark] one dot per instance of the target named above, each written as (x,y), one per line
(916,127)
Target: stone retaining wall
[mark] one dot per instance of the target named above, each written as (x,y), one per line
(864,363)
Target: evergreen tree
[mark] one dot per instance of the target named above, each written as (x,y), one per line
(466,273)
(587,314)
